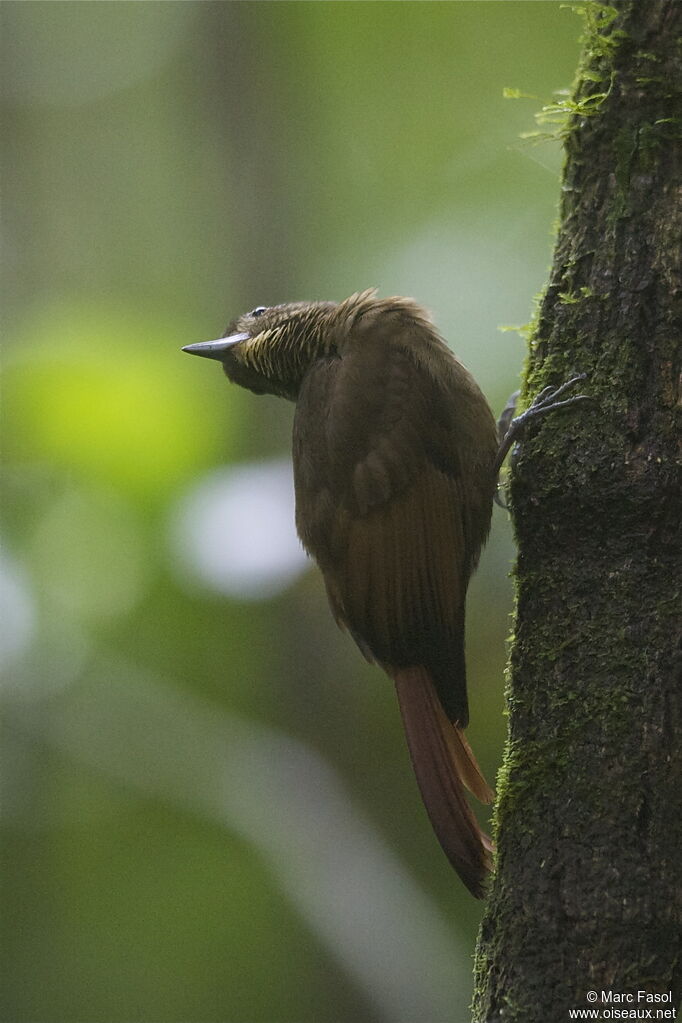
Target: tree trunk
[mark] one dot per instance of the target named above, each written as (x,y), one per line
(588,892)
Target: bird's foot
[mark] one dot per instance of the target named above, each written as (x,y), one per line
(510,427)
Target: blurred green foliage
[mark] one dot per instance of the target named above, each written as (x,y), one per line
(167,166)
(84,394)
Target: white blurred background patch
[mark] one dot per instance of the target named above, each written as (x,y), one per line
(234,531)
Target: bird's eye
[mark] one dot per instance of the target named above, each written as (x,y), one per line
(258,311)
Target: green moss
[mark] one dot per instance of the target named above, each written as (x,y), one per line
(597,18)
(510,93)
(573,297)
(644,55)
(554,119)
(523,329)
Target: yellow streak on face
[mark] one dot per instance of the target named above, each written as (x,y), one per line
(258,351)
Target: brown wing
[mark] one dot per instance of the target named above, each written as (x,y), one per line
(382,506)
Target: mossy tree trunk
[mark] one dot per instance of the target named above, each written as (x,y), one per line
(588,891)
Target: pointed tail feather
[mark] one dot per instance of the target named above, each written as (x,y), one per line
(465,761)
(443,763)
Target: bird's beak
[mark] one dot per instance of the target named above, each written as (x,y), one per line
(215,349)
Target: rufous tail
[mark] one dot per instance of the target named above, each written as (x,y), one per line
(444,763)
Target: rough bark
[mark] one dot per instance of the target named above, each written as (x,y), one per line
(588,890)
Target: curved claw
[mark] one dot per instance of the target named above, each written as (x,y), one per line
(550,394)
(497,499)
(542,403)
(506,416)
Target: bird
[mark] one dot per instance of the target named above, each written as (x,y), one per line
(395,461)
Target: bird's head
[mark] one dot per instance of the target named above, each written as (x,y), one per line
(269,349)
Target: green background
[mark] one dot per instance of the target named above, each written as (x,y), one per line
(209,813)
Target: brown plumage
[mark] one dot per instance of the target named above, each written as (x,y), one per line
(394,449)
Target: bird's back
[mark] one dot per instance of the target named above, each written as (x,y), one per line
(393,452)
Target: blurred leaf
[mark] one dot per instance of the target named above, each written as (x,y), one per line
(112,399)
